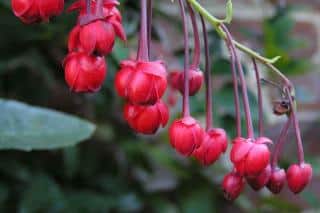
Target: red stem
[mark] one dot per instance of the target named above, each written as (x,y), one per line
(209,117)
(143,38)
(99,8)
(236,94)
(149,20)
(196,54)
(260,104)
(296,127)
(280,143)
(250,132)
(186,107)
(88,7)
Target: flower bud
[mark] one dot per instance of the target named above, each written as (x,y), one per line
(141,82)
(277,180)
(84,73)
(298,176)
(146,119)
(258,182)
(250,158)
(195,81)
(31,11)
(186,135)
(214,143)
(232,185)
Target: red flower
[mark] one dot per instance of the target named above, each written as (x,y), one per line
(146,119)
(298,177)
(232,185)
(84,73)
(277,180)
(250,158)
(258,182)
(31,11)
(97,34)
(186,135)
(141,82)
(214,143)
(195,81)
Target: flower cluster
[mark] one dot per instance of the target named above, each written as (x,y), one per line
(142,84)
(99,22)
(186,134)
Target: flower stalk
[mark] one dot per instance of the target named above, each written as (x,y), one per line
(250,132)
(143,52)
(280,143)
(196,53)
(186,107)
(293,106)
(208,80)
(260,104)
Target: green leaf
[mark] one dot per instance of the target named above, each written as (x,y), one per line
(24,127)
(42,195)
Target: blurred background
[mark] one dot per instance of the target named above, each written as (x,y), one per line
(118,171)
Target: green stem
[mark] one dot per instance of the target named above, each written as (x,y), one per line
(215,22)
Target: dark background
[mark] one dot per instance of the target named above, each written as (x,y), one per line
(118,171)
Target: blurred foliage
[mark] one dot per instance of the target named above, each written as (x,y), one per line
(116,170)
(278,41)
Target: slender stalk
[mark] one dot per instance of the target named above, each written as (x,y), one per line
(280,143)
(143,38)
(236,97)
(99,8)
(250,132)
(88,6)
(149,20)
(196,53)
(186,109)
(235,90)
(260,104)
(296,126)
(209,117)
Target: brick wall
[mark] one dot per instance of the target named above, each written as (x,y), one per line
(250,13)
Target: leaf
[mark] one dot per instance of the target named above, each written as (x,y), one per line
(24,127)
(42,195)
(89,201)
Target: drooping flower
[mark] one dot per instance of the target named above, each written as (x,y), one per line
(146,119)
(259,181)
(195,81)
(141,83)
(277,180)
(215,143)
(249,157)
(84,73)
(298,176)
(93,33)
(232,185)
(31,11)
(186,135)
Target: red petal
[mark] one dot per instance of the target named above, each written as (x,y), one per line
(239,151)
